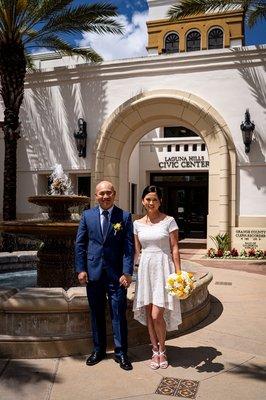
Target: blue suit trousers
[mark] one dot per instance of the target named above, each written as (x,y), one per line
(98,292)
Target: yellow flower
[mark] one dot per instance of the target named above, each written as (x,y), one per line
(117,227)
(170,281)
(180,284)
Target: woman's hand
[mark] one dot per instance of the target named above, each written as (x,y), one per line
(173,237)
(125,280)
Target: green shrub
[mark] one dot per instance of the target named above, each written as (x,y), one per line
(221,241)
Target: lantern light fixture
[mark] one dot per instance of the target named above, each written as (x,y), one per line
(247,127)
(81,137)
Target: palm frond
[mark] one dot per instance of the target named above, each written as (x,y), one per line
(30,63)
(82,18)
(255,14)
(58,45)
(194,7)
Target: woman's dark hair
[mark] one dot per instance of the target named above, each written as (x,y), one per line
(152,189)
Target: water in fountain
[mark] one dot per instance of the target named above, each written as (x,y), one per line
(57,233)
(19,279)
(61,183)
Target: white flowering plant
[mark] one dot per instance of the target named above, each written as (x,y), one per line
(243,253)
(259,253)
(180,284)
(227,254)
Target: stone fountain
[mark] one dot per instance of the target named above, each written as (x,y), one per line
(55,266)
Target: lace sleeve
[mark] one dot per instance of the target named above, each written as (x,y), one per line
(135,228)
(172,225)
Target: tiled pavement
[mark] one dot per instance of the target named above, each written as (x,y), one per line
(224,358)
(199,255)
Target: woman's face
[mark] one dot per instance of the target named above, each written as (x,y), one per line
(151,202)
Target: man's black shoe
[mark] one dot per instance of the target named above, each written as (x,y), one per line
(123,362)
(95,357)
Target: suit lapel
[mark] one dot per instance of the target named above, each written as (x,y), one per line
(114,219)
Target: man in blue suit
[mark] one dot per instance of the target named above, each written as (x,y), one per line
(104,255)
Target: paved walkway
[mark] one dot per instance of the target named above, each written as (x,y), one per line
(224,358)
(199,255)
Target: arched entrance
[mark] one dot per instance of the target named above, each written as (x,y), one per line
(139,115)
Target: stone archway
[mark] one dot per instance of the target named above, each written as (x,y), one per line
(139,115)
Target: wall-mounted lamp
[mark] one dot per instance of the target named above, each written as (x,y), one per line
(247,127)
(81,137)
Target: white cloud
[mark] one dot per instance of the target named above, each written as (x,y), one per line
(131,44)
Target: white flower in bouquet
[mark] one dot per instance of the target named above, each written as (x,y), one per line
(180,285)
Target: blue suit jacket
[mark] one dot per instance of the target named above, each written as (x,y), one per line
(115,252)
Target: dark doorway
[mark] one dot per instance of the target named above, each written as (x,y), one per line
(185,197)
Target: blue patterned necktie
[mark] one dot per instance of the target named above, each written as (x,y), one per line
(105,225)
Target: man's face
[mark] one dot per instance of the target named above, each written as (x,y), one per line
(105,195)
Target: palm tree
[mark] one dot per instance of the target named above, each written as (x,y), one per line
(27,25)
(253,11)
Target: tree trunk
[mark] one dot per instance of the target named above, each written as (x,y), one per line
(10,179)
(12,74)
(245,10)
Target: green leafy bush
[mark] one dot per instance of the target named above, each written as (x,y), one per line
(222,242)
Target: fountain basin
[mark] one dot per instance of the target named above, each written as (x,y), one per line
(58,205)
(55,265)
(52,322)
(40,228)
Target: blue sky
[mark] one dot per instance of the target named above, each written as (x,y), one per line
(133,15)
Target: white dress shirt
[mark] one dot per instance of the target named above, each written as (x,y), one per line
(102,216)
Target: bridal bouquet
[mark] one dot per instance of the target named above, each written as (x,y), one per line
(180,285)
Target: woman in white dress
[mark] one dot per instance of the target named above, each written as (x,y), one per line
(156,247)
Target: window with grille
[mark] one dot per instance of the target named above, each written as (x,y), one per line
(172,43)
(216,39)
(193,41)
(177,131)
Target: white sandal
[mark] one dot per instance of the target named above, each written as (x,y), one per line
(163,364)
(153,364)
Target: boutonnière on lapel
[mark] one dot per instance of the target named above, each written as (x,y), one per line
(117,227)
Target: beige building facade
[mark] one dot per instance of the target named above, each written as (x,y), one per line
(167,119)
(227,25)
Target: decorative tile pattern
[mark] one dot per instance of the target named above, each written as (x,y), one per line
(187,389)
(178,387)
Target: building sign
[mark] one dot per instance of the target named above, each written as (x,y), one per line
(247,238)
(180,162)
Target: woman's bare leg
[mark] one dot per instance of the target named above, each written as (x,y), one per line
(155,360)
(151,328)
(159,325)
(160,329)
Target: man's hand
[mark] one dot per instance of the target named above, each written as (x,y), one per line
(125,280)
(83,278)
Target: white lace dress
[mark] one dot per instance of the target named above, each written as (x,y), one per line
(155,266)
